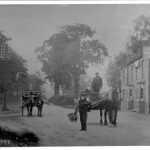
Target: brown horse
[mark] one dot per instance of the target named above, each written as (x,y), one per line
(26,104)
(38,102)
(109,106)
(110,109)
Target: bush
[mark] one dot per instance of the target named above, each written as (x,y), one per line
(62,100)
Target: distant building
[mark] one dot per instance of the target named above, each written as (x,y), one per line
(135,83)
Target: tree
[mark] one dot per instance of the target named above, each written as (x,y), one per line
(113,72)
(140,36)
(85,82)
(10,63)
(113,75)
(36,81)
(67,54)
(84,49)
(138,39)
(15,64)
(52,55)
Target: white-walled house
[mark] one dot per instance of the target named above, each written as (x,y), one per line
(135,83)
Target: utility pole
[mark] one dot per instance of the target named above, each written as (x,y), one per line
(4,86)
(17,79)
(4,57)
(17,90)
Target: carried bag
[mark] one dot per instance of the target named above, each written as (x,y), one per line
(73,117)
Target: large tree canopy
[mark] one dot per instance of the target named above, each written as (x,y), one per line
(140,36)
(52,55)
(10,67)
(36,81)
(67,54)
(113,75)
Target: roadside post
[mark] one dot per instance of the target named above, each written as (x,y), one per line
(5,56)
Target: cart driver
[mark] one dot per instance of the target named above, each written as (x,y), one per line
(31,97)
(97,83)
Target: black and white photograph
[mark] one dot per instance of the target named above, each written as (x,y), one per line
(74,74)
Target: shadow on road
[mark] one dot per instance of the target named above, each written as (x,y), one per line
(10,138)
(94,124)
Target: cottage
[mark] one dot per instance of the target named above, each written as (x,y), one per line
(135,83)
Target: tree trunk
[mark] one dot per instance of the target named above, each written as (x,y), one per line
(56,89)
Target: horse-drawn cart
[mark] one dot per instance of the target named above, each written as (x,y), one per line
(94,97)
(29,99)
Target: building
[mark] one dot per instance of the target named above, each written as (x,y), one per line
(135,83)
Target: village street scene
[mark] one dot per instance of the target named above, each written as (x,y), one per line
(74,75)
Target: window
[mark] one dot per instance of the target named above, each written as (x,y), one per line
(136,73)
(127,74)
(123,74)
(142,65)
(141,92)
(130,92)
(132,73)
(123,93)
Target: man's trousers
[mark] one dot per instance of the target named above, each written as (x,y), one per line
(83,119)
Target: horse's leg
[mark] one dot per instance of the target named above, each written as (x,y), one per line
(31,107)
(115,117)
(101,116)
(105,116)
(40,111)
(28,111)
(110,115)
(38,107)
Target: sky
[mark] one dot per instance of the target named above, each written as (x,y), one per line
(30,25)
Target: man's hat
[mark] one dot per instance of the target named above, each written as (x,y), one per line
(97,73)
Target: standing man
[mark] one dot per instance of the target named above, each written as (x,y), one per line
(97,83)
(31,97)
(87,93)
(82,107)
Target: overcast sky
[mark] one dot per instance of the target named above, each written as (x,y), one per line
(29,26)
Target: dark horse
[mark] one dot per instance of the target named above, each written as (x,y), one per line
(38,102)
(110,106)
(110,109)
(27,104)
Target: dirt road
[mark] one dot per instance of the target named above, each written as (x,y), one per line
(54,128)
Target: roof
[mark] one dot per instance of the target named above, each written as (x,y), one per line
(133,59)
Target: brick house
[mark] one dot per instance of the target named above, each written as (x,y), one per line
(135,83)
